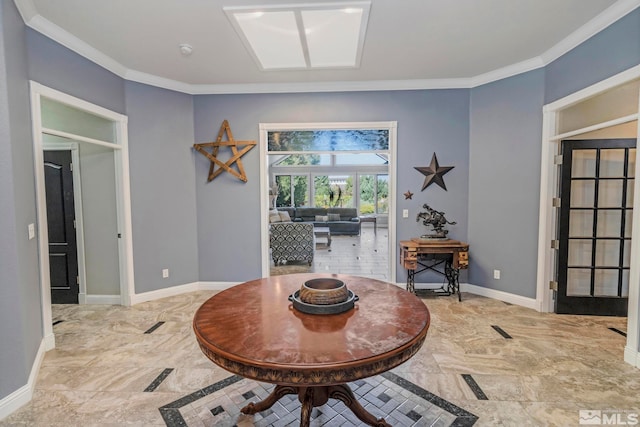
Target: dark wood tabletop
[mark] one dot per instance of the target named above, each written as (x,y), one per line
(253,330)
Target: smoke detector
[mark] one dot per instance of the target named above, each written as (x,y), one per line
(185,49)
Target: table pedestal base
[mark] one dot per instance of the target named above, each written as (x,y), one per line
(311,397)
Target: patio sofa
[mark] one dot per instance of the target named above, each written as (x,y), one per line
(341,221)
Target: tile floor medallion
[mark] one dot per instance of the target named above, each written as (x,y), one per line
(387,396)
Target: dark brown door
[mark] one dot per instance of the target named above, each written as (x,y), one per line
(63,258)
(595,226)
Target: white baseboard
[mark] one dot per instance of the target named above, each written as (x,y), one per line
(216,286)
(103,299)
(485,292)
(531,303)
(49,342)
(23,395)
(632,356)
(163,293)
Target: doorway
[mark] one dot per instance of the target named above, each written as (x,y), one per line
(91,126)
(595,226)
(327,140)
(597,111)
(63,253)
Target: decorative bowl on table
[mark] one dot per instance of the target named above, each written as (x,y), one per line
(323,291)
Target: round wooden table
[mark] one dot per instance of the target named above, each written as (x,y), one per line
(253,330)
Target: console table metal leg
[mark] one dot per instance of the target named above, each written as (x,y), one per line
(452,275)
(411,281)
(456,275)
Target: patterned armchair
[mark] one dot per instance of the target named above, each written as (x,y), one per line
(291,241)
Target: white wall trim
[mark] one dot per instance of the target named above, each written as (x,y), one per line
(216,286)
(180,289)
(500,296)
(102,299)
(632,356)
(610,15)
(23,395)
(482,291)
(163,293)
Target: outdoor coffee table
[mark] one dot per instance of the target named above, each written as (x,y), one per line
(323,232)
(253,330)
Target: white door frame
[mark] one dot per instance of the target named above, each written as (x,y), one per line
(548,215)
(391,126)
(123,196)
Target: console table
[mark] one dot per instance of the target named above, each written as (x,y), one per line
(253,330)
(418,255)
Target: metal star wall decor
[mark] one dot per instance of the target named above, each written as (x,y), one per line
(408,195)
(235,158)
(434,173)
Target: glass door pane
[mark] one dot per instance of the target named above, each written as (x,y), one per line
(300,190)
(367,186)
(333,191)
(284,190)
(382,194)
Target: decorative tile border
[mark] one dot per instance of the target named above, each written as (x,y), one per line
(616,330)
(155,383)
(388,395)
(154,327)
(475,388)
(499,330)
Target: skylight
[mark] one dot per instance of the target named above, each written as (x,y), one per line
(304,36)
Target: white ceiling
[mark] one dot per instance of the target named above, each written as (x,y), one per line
(410,44)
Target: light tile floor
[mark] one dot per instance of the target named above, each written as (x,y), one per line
(552,367)
(365,255)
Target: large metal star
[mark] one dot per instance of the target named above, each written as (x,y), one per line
(433,173)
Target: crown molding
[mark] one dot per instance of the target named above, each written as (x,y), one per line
(610,15)
(508,71)
(68,40)
(161,82)
(27,9)
(342,86)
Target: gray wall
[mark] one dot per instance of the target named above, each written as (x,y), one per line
(163,195)
(611,51)
(97,170)
(20,316)
(229,210)
(504,182)
(57,67)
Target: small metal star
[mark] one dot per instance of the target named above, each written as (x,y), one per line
(408,195)
(433,173)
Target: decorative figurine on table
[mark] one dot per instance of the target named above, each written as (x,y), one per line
(436,220)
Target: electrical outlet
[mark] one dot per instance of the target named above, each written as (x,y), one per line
(405,213)
(165,273)
(32,231)
(496,274)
